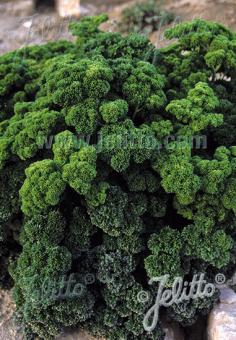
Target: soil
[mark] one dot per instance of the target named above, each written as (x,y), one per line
(8,330)
(223,11)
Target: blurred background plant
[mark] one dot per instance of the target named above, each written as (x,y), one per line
(145,17)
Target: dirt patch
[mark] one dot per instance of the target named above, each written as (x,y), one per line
(223,11)
(8,330)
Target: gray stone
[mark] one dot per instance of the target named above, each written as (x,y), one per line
(227,296)
(222,319)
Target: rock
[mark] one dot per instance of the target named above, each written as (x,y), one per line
(222,319)
(227,296)
(68,8)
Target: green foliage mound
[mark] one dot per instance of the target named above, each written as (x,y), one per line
(117,165)
(145,17)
